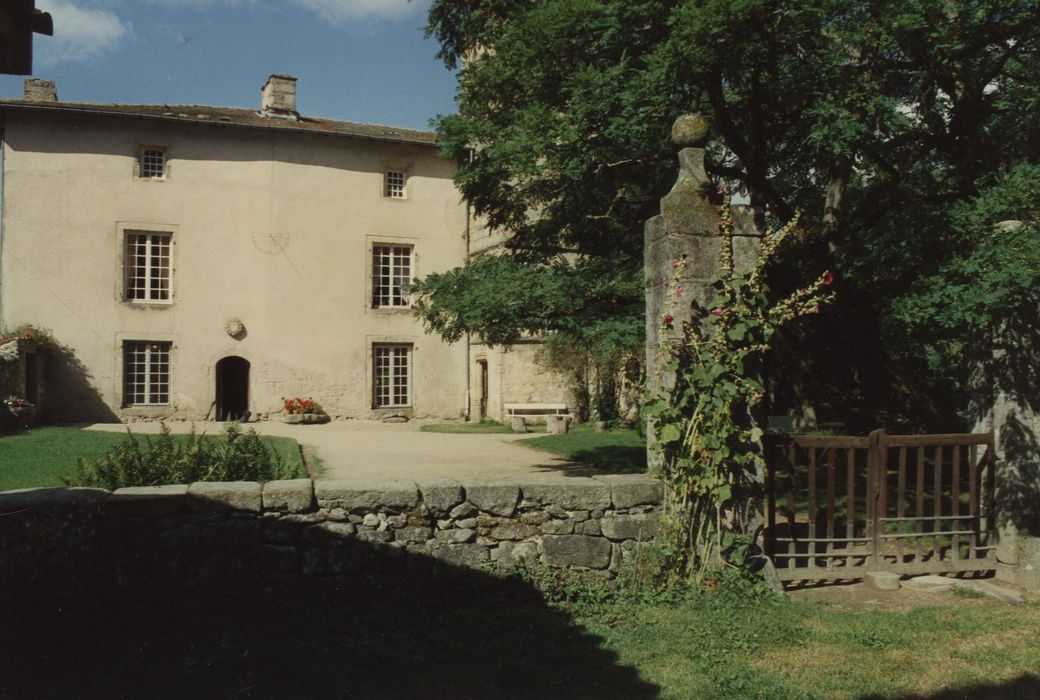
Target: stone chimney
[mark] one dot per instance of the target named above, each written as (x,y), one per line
(278,98)
(37,90)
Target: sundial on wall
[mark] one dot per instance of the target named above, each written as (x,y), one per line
(270,243)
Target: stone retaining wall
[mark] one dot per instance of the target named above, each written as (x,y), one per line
(324,526)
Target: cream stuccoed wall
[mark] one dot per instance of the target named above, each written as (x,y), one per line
(274,229)
(514,376)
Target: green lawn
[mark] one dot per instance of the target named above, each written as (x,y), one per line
(714,648)
(41,456)
(484,427)
(621,450)
(487,638)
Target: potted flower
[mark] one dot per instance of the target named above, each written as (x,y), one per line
(300,410)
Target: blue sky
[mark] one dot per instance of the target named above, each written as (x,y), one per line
(360,60)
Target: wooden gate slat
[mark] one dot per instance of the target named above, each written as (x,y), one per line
(811,536)
(821,553)
(955,497)
(831,469)
(901,500)
(790,505)
(850,496)
(973,497)
(937,503)
(918,527)
(771,454)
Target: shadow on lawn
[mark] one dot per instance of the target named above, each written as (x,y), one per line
(187,618)
(615,459)
(1025,687)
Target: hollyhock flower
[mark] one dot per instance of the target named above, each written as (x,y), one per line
(716,312)
(668,320)
(675,264)
(828,279)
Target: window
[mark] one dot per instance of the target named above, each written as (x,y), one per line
(153,163)
(392,371)
(391,273)
(394,182)
(147,266)
(146,373)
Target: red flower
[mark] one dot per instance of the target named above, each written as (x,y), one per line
(668,320)
(828,279)
(716,312)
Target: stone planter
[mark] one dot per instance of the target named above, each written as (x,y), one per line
(304,418)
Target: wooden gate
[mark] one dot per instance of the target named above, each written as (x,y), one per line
(911,504)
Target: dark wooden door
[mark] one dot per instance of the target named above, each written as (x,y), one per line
(233,389)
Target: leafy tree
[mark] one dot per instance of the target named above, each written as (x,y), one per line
(886,124)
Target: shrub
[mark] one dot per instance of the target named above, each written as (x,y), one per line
(235,456)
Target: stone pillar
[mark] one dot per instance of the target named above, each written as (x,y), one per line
(687,226)
(1015,421)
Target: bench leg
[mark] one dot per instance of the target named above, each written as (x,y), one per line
(518,424)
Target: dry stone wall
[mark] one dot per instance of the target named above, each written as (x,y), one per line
(202,530)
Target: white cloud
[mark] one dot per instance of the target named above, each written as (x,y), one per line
(81,33)
(342,11)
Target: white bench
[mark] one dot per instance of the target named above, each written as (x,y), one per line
(556,415)
(536,409)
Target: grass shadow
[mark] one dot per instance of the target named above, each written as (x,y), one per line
(195,606)
(1024,687)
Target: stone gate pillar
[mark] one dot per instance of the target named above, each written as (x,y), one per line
(1015,421)
(687,226)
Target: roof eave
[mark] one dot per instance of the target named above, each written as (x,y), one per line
(280,127)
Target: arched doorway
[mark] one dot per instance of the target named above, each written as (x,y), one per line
(233,389)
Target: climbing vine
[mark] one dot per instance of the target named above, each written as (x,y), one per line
(705,425)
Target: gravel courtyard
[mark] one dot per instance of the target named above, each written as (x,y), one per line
(370,449)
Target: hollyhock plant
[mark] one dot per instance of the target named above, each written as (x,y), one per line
(705,422)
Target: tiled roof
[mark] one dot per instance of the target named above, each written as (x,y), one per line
(231,116)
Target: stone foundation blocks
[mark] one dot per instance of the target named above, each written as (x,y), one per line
(362,495)
(289,496)
(630,527)
(441,496)
(471,555)
(578,493)
(575,550)
(630,490)
(148,500)
(239,495)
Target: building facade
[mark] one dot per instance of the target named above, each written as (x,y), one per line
(199,262)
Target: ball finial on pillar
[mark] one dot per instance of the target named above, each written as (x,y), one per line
(690,130)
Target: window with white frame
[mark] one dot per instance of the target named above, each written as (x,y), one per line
(146,373)
(147,266)
(392,375)
(153,163)
(391,273)
(394,184)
